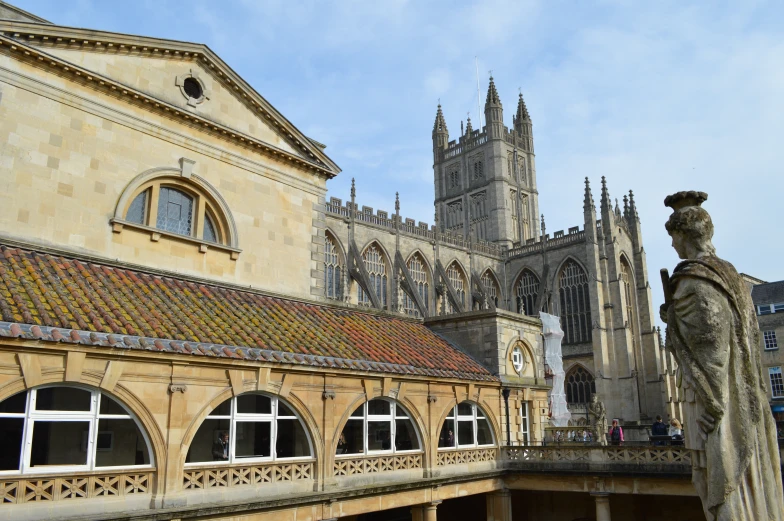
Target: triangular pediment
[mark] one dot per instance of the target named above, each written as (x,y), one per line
(158,69)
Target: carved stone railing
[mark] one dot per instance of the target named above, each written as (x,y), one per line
(459,456)
(374,464)
(595,458)
(32,489)
(234,476)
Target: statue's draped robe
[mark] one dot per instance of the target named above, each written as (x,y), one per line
(713,332)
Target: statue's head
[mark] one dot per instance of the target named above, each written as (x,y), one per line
(690,225)
(594,398)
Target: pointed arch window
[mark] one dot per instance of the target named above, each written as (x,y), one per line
(457,279)
(377,273)
(628,290)
(580,386)
(250,427)
(575,304)
(67,429)
(418,270)
(333,271)
(491,288)
(527,289)
(376,427)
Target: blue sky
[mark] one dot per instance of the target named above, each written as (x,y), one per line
(657,96)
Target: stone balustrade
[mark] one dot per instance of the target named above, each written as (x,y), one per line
(33,489)
(205,477)
(459,456)
(350,466)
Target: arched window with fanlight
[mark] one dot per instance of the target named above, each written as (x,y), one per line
(419,276)
(527,291)
(466,426)
(377,427)
(69,429)
(166,203)
(580,385)
(333,269)
(575,304)
(376,267)
(458,281)
(250,427)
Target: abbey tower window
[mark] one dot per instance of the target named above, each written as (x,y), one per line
(479,169)
(628,289)
(575,304)
(453,176)
(454,215)
(479,214)
(527,290)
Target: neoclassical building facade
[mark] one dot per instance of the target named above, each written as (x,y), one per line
(191,329)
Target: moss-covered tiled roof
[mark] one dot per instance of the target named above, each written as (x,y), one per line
(120,307)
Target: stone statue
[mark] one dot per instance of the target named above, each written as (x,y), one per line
(713,333)
(598,414)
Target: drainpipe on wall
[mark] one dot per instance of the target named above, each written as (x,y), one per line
(505,393)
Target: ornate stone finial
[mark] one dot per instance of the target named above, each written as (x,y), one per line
(469,127)
(617,208)
(353,189)
(626,206)
(397,202)
(606,201)
(522,110)
(543,227)
(588,201)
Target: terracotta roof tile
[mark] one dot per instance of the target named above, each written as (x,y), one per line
(53,298)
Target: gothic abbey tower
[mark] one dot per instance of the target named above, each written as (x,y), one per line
(485,181)
(489,263)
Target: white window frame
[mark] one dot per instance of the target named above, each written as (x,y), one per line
(235,417)
(776,371)
(476,413)
(518,360)
(525,426)
(770,340)
(92,417)
(393,415)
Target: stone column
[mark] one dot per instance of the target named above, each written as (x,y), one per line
(426,512)
(499,506)
(602,506)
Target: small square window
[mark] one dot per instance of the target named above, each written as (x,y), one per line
(776,382)
(770,339)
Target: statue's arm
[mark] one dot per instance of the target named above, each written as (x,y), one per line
(702,316)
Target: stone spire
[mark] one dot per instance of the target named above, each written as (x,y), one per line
(626,207)
(633,207)
(440,132)
(523,125)
(544,230)
(606,204)
(588,199)
(617,209)
(494,113)
(469,127)
(492,95)
(522,111)
(606,209)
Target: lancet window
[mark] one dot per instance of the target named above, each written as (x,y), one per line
(491,288)
(628,290)
(418,270)
(580,386)
(527,289)
(377,274)
(575,304)
(457,279)
(333,270)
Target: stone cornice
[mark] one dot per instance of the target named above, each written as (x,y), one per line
(27,42)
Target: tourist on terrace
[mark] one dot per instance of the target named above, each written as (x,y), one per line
(676,432)
(616,433)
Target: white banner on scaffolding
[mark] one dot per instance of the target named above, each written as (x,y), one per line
(553,334)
